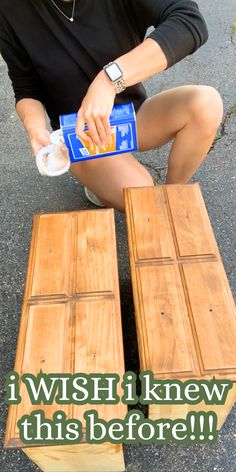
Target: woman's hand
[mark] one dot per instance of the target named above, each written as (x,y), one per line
(95,110)
(38,138)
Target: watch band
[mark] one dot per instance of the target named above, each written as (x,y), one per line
(120,85)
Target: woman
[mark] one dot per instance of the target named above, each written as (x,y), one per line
(58,54)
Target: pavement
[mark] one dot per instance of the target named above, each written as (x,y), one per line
(24,192)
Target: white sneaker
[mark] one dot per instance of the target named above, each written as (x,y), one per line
(93,198)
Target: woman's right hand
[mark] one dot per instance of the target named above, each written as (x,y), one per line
(38,138)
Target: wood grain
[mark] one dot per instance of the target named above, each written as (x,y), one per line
(170,341)
(150,230)
(48,348)
(95,260)
(71,323)
(174,412)
(185,312)
(100,353)
(213,315)
(191,226)
(50,268)
(79,458)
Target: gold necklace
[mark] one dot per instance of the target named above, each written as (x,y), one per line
(72,14)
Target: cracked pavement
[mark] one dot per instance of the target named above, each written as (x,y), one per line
(24,192)
(225,122)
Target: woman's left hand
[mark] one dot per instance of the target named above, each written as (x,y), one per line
(95,110)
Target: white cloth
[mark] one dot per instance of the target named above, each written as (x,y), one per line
(54,159)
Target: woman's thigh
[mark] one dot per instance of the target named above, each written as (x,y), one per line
(163,115)
(108,176)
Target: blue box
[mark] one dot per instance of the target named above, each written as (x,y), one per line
(123,138)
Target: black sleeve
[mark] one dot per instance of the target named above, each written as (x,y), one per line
(180,28)
(25,81)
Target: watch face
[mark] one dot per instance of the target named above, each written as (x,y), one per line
(114,72)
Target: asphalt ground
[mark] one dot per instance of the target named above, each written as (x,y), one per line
(24,192)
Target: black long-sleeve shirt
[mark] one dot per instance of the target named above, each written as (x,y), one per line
(54,60)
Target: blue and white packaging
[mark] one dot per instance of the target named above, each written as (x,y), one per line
(123,137)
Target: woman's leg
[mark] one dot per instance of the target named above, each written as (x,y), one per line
(188,115)
(108,176)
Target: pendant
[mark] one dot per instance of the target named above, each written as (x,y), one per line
(71,19)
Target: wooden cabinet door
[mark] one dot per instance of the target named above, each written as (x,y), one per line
(185,312)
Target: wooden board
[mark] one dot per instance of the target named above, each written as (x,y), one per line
(174,412)
(105,457)
(185,312)
(71,321)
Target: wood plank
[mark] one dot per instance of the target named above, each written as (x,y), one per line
(51,256)
(186,323)
(71,307)
(191,225)
(189,327)
(78,458)
(150,231)
(214,316)
(174,412)
(168,333)
(47,325)
(98,342)
(95,253)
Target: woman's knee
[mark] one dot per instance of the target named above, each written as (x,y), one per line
(111,190)
(206,108)
(79,169)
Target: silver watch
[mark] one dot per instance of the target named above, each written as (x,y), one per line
(115,74)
